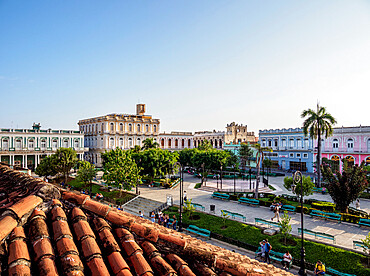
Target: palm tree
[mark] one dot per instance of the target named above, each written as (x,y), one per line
(245,153)
(318,123)
(149,144)
(259,157)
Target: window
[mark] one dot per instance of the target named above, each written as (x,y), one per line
(298,155)
(169,143)
(111,127)
(120,127)
(138,142)
(138,128)
(154,128)
(65,143)
(130,142)
(350,143)
(18,144)
(43,144)
(76,144)
(129,127)
(263,143)
(291,155)
(146,128)
(291,143)
(215,143)
(162,143)
(111,142)
(283,143)
(306,143)
(176,143)
(305,155)
(269,143)
(102,127)
(275,142)
(335,144)
(299,143)
(54,143)
(182,143)
(189,143)
(368,145)
(121,142)
(5,144)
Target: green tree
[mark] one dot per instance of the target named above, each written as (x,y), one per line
(120,168)
(205,145)
(149,144)
(86,173)
(345,187)
(296,189)
(65,160)
(189,208)
(316,124)
(224,216)
(259,157)
(285,227)
(366,248)
(186,156)
(245,154)
(47,167)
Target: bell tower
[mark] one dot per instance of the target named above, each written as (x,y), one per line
(140,109)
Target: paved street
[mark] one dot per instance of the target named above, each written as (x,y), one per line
(345,233)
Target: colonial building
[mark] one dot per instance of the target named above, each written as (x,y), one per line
(349,143)
(291,149)
(216,138)
(117,131)
(176,140)
(26,147)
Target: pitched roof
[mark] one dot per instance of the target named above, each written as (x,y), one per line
(50,232)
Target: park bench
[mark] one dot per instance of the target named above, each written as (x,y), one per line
(317,234)
(278,257)
(364,222)
(318,190)
(267,222)
(249,201)
(220,196)
(331,271)
(157,184)
(326,215)
(359,244)
(196,205)
(199,231)
(289,208)
(237,215)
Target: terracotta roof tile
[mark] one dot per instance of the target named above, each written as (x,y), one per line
(118,264)
(37,213)
(47,267)
(180,265)
(66,245)
(58,213)
(97,267)
(108,241)
(7,224)
(100,224)
(158,263)
(82,230)
(128,242)
(20,270)
(61,229)
(71,262)
(90,247)
(96,207)
(141,266)
(26,205)
(42,247)
(18,258)
(17,232)
(78,213)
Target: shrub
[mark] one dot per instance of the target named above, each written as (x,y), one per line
(350,218)
(305,209)
(324,206)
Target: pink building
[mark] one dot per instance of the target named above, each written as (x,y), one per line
(350,143)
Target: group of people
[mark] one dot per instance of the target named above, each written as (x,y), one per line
(275,207)
(162,219)
(265,254)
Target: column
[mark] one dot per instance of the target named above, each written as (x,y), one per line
(25,161)
(23,164)
(36,160)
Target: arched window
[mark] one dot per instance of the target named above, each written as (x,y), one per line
(111,142)
(283,143)
(129,127)
(77,144)
(299,143)
(120,127)
(154,128)
(350,160)
(306,143)
(189,145)
(367,161)
(54,144)
(335,143)
(162,143)
(291,143)
(43,144)
(269,143)
(146,128)
(121,143)
(130,142)
(335,163)
(220,143)
(176,143)
(350,144)
(5,144)
(138,128)
(263,143)
(111,126)
(215,143)
(18,144)
(102,127)
(93,128)
(169,143)
(65,143)
(138,142)
(182,143)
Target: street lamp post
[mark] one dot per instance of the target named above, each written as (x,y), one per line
(250,178)
(234,179)
(181,196)
(203,175)
(298,179)
(217,180)
(221,178)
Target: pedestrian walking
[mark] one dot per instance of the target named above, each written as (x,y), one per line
(141,214)
(276,212)
(152,217)
(185,196)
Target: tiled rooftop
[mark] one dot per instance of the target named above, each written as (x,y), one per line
(45,231)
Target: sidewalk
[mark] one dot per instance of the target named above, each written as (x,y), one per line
(345,233)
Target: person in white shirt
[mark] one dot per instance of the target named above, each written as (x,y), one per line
(287,258)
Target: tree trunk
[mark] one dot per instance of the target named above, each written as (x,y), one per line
(318,159)
(65,177)
(258,174)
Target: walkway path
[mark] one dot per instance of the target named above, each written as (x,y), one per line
(345,233)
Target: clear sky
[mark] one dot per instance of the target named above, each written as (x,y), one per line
(196,64)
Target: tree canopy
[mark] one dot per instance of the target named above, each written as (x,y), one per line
(259,157)
(65,160)
(47,167)
(316,124)
(86,173)
(205,145)
(345,187)
(120,168)
(306,183)
(149,144)
(245,154)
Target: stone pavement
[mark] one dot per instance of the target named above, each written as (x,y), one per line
(345,233)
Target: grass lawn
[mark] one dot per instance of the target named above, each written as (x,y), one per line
(339,259)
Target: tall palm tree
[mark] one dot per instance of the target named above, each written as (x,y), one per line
(316,124)
(259,156)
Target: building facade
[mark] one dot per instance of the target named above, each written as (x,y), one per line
(349,143)
(291,150)
(26,147)
(176,140)
(112,131)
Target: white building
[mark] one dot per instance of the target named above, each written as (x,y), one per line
(26,147)
(176,140)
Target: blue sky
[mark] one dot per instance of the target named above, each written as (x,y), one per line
(197,65)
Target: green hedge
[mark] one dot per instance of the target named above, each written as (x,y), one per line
(339,259)
(324,206)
